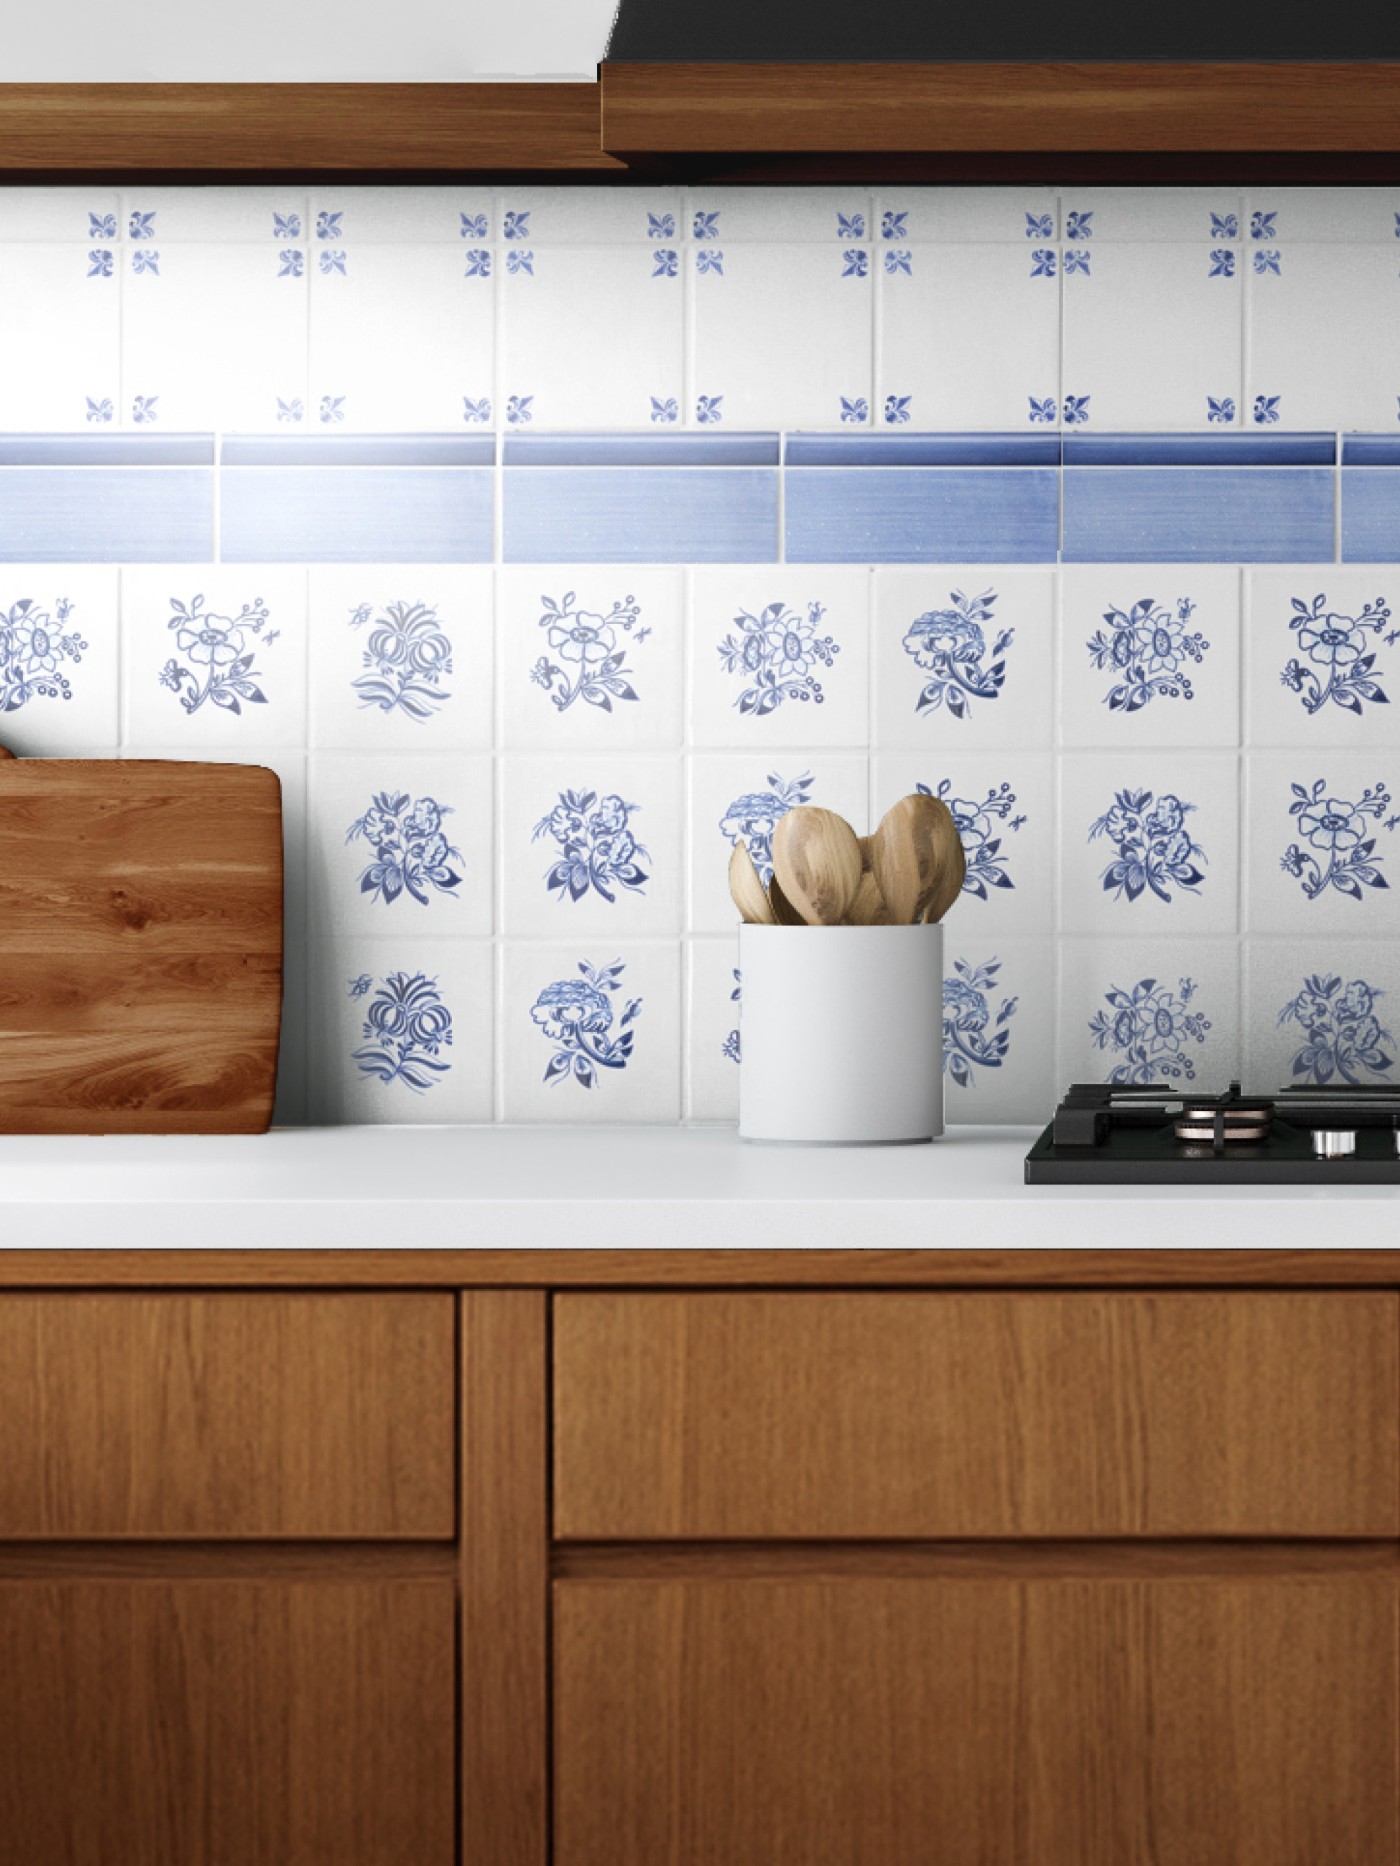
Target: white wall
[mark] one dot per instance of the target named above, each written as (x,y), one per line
(105,41)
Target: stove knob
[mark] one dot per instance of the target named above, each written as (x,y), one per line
(1334,1143)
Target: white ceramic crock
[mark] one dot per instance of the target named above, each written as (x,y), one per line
(841,1034)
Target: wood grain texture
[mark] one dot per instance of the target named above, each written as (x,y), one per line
(205,129)
(226,1724)
(913,108)
(140,946)
(868,1415)
(244,1415)
(505,1579)
(1037,1723)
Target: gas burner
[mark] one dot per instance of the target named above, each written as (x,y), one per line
(1219,1121)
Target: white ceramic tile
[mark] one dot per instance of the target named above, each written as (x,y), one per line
(1321,1011)
(1323,346)
(967,336)
(1322,850)
(1309,631)
(402,337)
(1207,216)
(779,657)
(1149,655)
(1015,216)
(1153,333)
(737,796)
(402,216)
(712,1030)
(60,312)
(1004,806)
(961,657)
(589,216)
(58,658)
(591,657)
(591,846)
(591,336)
(833,215)
(401,657)
(213,657)
(212,335)
(1337,214)
(92,215)
(271,216)
(998,1028)
(1149,1010)
(780,335)
(590,1031)
(1149,844)
(401,1033)
(401,846)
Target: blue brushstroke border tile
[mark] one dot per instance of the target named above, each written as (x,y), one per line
(640,515)
(340,515)
(1200,449)
(1209,515)
(911,450)
(641,450)
(922,515)
(106,514)
(106,450)
(358,450)
(1371,514)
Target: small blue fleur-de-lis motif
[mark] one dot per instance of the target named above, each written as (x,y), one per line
(478,264)
(328,224)
(1224,226)
(476,410)
(710,259)
(1076,410)
(146,259)
(286,226)
(665,408)
(899,259)
(290,409)
(473,226)
(104,226)
(894,225)
(332,408)
(709,409)
(1076,261)
(1040,226)
(1079,226)
(143,408)
(705,226)
(854,264)
(517,224)
(1262,227)
(854,408)
(1268,259)
(1043,410)
(289,263)
(665,262)
(1222,263)
(100,264)
(1220,409)
(661,226)
(1266,409)
(897,409)
(141,226)
(521,259)
(1397,226)
(1043,262)
(332,260)
(99,410)
(520,409)
(850,226)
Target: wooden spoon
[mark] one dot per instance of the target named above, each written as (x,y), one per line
(816,863)
(784,912)
(746,888)
(914,853)
(868,909)
(953,869)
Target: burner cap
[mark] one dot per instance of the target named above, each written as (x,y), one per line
(1237,1121)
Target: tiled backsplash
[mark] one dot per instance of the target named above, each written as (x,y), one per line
(548,541)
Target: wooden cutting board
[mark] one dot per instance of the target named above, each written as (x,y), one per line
(140,946)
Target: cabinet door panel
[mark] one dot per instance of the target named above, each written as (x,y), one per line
(213,1723)
(976,1723)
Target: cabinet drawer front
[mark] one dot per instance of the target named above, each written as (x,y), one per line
(914,1415)
(226,1415)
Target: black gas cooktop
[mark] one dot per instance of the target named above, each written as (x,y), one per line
(1157,1135)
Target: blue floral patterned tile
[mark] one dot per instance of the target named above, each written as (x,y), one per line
(1324,338)
(1324,658)
(1100,216)
(1345,216)
(1149,843)
(259,216)
(1321,1011)
(554,216)
(60,312)
(1137,1011)
(590,1031)
(1322,834)
(1020,216)
(998,1026)
(451,216)
(714,1038)
(823,216)
(58,658)
(91,216)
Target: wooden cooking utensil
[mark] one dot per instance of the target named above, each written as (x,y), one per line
(868,909)
(784,912)
(914,851)
(952,871)
(816,862)
(746,889)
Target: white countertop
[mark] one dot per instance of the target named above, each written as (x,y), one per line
(625,1188)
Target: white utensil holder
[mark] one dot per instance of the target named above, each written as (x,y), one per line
(841,1034)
